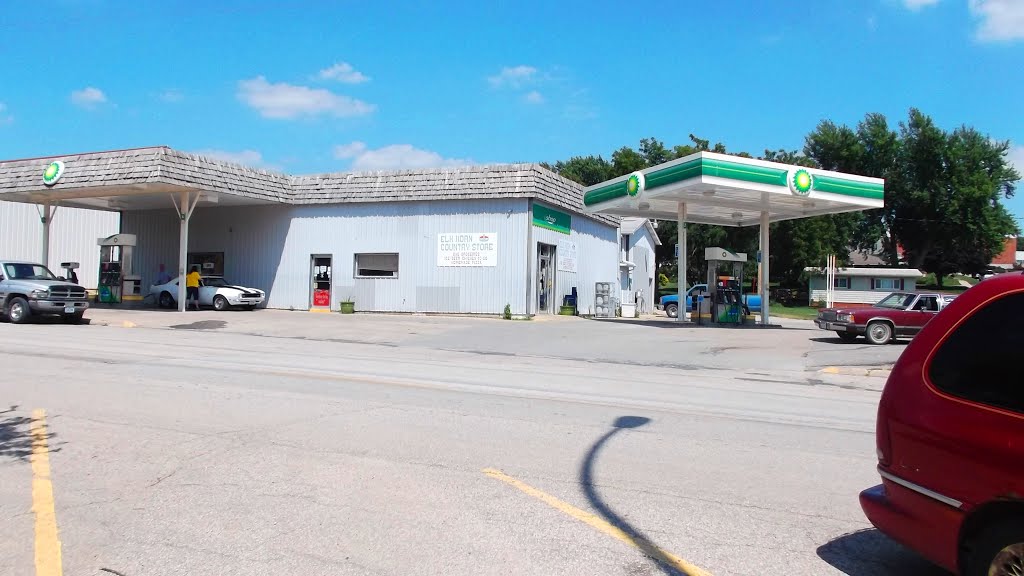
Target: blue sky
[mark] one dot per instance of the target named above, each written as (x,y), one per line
(328,86)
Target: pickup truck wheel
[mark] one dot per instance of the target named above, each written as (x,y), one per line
(165,300)
(220,303)
(879,333)
(18,311)
(672,310)
(847,336)
(998,551)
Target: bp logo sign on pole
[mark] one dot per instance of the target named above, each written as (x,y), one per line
(800,182)
(53,173)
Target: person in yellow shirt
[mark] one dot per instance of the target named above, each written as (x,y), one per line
(192,287)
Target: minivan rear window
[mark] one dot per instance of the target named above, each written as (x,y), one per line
(977,361)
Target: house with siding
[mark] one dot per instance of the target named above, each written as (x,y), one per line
(638,267)
(860,286)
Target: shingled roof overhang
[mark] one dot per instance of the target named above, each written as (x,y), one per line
(141,179)
(732,191)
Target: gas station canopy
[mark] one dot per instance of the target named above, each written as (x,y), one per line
(732,191)
(709,188)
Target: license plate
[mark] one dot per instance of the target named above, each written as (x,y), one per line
(69,309)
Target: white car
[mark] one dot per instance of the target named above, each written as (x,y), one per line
(213,291)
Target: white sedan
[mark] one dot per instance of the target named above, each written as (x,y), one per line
(213,291)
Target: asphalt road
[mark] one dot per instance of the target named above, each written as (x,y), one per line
(416,449)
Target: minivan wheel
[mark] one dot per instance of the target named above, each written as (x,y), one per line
(672,310)
(18,311)
(998,551)
(879,333)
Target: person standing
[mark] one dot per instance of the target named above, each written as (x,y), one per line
(192,287)
(162,277)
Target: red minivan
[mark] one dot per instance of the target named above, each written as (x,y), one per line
(950,436)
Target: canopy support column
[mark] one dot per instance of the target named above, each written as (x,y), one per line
(681,262)
(764,281)
(184,207)
(46,214)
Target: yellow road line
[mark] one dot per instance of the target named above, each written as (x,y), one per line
(48,561)
(594,521)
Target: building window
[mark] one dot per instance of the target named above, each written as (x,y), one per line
(625,247)
(842,282)
(972,362)
(887,284)
(376,266)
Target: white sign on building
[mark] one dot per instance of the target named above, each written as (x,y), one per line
(567,256)
(467,249)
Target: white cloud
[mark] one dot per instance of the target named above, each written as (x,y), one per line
(350,150)
(88,97)
(999,20)
(4,117)
(344,72)
(918,4)
(1016,156)
(250,158)
(534,97)
(514,77)
(172,96)
(285,101)
(395,156)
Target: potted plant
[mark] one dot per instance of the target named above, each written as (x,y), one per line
(347,306)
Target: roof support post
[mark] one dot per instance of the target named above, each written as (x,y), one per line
(681,263)
(765,277)
(184,206)
(46,214)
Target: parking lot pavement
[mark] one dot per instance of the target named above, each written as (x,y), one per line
(793,347)
(399,445)
(198,450)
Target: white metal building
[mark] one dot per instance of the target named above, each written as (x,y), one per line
(458,240)
(73,237)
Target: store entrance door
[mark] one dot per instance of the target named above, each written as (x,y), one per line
(546,278)
(320,282)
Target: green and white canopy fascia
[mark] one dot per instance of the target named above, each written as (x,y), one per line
(732,191)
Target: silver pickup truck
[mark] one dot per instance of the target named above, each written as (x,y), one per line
(28,289)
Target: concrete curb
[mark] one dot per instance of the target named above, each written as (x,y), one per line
(858,371)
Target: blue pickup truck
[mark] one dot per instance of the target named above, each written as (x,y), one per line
(670,302)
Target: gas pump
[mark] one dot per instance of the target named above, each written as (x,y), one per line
(117,278)
(724,304)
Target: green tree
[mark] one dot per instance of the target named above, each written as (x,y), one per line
(587,170)
(943,189)
(626,160)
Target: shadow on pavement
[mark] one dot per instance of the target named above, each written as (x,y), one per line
(857,342)
(667,323)
(16,436)
(871,553)
(650,549)
(201,325)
